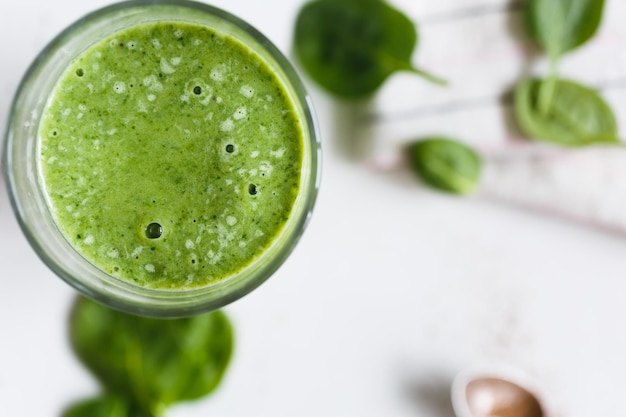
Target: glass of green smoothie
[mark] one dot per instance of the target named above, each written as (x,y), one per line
(162,157)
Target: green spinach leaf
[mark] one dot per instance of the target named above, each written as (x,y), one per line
(577,115)
(350,47)
(562,25)
(150,362)
(105,406)
(445,164)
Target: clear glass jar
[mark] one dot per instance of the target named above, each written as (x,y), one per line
(22,171)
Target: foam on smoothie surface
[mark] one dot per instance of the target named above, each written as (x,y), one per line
(170,155)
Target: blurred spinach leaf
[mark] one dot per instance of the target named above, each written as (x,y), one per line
(576,116)
(350,47)
(151,362)
(445,164)
(562,25)
(105,406)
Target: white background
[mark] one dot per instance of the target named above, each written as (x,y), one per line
(394,288)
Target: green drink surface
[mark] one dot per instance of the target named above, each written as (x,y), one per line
(170,155)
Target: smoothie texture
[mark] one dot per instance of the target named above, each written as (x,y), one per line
(170,155)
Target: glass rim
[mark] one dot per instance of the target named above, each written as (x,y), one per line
(118,293)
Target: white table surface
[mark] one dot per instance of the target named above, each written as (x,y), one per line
(394,288)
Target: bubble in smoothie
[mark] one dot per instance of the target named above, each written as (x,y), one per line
(154,231)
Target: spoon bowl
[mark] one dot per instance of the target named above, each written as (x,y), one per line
(494,394)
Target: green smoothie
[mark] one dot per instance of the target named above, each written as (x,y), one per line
(170,155)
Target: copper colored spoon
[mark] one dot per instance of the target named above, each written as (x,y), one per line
(489,395)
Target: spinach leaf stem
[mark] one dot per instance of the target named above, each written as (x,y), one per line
(547,89)
(391,63)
